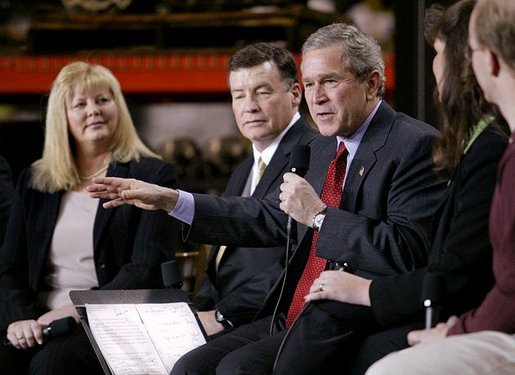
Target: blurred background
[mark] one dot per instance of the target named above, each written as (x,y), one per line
(170,57)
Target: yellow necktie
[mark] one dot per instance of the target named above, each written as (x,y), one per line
(260,170)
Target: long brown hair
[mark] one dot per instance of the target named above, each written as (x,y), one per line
(460,101)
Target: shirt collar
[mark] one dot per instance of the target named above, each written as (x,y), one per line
(267,154)
(352,142)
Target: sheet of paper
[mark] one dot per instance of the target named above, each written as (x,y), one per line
(173,328)
(143,338)
(123,340)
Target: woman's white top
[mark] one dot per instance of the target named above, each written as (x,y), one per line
(70,261)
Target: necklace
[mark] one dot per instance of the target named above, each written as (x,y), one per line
(89,177)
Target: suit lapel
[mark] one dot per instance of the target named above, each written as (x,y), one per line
(272,171)
(103,215)
(239,179)
(234,188)
(51,208)
(322,154)
(373,139)
(325,155)
(280,159)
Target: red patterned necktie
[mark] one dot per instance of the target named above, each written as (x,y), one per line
(331,196)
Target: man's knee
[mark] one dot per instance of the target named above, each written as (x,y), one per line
(66,355)
(195,362)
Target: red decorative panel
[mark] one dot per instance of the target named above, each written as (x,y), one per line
(139,74)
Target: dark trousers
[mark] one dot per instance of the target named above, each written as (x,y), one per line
(320,342)
(377,345)
(338,338)
(248,349)
(69,354)
(328,338)
(325,339)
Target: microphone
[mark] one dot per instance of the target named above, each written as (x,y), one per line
(57,328)
(172,277)
(299,160)
(299,164)
(348,264)
(432,293)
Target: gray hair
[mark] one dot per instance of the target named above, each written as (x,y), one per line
(361,52)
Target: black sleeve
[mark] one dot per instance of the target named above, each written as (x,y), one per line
(6,191)
(462,249)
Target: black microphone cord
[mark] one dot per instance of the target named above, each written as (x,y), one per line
(299,164)
(283,342)
(285,273)
(338,266)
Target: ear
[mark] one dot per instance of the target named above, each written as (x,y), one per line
(296,94)
(494,65)
(373,82)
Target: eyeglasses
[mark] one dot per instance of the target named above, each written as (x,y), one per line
(470,51)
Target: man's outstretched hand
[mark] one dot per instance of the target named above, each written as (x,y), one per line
(141,194)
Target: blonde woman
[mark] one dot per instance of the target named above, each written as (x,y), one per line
(59,239)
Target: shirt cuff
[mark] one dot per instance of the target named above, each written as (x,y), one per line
(184,209)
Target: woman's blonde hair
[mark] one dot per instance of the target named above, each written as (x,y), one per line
(57,169)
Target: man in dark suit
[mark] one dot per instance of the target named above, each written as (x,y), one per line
(266,95)
(6,191)
(381,225)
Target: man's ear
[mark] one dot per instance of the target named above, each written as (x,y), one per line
(493,63)
(296,93)
(373,83)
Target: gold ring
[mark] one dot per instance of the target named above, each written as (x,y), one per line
(321,288)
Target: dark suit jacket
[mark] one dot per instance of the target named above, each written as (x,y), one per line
(384,220)
(461,252)
(129,243)
(6,191)
(461,248)
(245,276)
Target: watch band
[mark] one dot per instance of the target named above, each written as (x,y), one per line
(222,320)
(318,219)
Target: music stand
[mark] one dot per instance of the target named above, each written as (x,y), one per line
(82,297)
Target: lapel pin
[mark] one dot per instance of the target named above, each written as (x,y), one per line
(361,171)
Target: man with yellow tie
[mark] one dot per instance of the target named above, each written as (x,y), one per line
(265,99)
(381,226)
